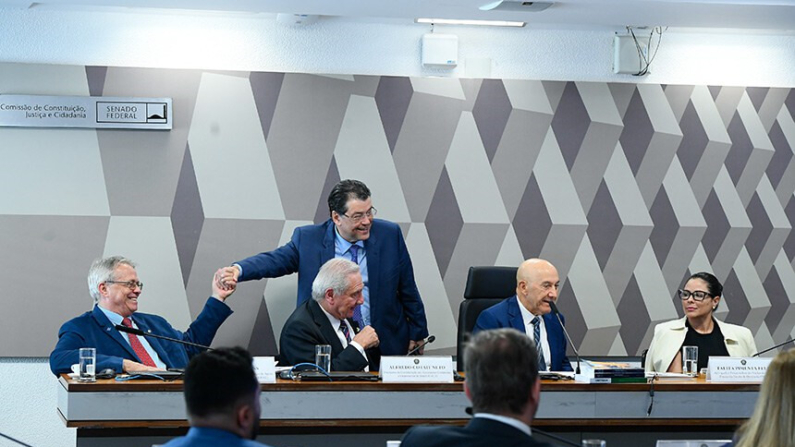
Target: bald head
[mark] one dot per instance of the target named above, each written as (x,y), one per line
(537,285)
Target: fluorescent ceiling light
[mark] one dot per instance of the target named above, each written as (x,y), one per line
(471,22)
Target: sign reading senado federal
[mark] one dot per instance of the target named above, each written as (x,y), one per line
(93,112)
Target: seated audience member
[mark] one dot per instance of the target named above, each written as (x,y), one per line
(503,384)
(222,398)
(114,285)
(700,298)
(773,422)
(529,311)
(326,319)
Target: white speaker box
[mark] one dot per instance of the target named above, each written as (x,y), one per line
(440,50)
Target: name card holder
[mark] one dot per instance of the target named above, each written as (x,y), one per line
(421,369)
(737,369)
(265,368)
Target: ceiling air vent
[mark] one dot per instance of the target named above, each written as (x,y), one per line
(516,5)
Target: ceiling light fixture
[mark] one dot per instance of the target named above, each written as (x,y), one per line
(471,22)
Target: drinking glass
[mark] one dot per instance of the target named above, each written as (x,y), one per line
(88,360)
(690,360)
(594,443)
(323,357)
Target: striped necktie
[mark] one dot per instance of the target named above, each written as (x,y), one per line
(542,365)
(345,331)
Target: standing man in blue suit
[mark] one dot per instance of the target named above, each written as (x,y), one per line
(392,303)
(115,287)
(529,311)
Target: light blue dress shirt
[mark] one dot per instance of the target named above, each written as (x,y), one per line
(117,319)
(342,250)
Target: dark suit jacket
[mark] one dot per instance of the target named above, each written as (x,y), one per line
(309,326)
(94,330)
(396,309)
(480,432)
(506,313)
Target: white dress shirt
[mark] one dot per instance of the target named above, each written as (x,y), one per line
(528,329)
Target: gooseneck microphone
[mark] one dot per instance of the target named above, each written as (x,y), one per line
(427,341)
(557,314)
(140,333)
(774,347)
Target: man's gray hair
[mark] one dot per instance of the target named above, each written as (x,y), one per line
(333,275)
(102,270)
(501,369)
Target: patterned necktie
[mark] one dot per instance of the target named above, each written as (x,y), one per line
(345,331)
(139,349)
(357,311)
(542,365)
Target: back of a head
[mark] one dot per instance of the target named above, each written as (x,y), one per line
(501,370)
(773,421)
(217,381)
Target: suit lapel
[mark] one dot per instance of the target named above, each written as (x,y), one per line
(515,315)
(321,320)
(373,253)
(328,244)
(107,328)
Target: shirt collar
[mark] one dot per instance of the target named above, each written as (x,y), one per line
(112,316)
(516,423)
(344,245)
(335,322)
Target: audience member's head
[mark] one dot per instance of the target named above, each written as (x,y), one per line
(222,391)
(502,374)
(773,421)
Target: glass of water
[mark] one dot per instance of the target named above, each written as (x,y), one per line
(690,360)
(88,361)
(323,357)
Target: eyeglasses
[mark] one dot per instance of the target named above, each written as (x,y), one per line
(698,295)
(129,284)
(358,217)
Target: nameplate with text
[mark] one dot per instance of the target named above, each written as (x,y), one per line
(420,369)
(265,368)
(737,369)
(94,112)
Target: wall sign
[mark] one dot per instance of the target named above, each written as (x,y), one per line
(94,112)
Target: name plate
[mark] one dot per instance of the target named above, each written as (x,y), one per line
(265,368)
(737,369)
(93,112)
(422,369)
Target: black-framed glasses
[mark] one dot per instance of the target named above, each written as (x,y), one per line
(358,217)
(129,284)
(698,295)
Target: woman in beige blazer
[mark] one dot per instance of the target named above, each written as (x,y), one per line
(700,298)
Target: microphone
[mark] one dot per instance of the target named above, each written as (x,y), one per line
(140,333)
(774,347)
(427,341)
(557,314)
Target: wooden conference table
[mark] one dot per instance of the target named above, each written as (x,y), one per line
(153,408)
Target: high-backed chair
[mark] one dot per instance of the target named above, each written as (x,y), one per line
(486,286)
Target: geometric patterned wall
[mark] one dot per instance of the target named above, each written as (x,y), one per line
(626,188)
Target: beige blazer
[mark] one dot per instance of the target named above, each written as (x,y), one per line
(669,336)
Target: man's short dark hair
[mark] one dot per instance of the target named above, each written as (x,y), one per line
(343,192)
(501,369)
(217,381)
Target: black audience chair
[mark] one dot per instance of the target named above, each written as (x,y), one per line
(486,286)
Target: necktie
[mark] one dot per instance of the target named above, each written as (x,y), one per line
(139,349)
(345,331)
(357,311)
(542,365)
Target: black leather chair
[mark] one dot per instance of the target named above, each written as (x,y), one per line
(486,286)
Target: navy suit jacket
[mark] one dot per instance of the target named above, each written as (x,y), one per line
(506,313)
(94,330)
(396,310)
(480,432)
(309,326)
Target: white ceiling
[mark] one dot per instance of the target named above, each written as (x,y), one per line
(753,15)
